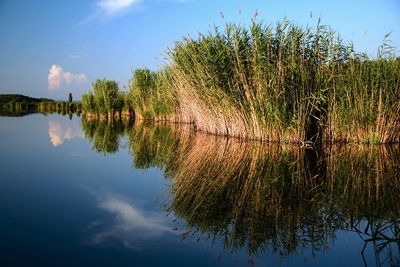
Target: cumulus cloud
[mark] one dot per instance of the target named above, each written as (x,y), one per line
(58,78)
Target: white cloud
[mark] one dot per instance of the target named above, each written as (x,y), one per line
(114,6)
(106,9)
(58,78)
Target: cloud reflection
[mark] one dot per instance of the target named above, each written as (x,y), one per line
(130,225)
(59,132)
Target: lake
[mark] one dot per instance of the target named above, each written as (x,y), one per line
(79,192)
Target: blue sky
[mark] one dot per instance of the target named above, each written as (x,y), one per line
(52,47)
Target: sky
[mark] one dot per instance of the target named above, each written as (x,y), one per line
(49,48)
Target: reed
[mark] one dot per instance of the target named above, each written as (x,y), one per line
(152,96)
(364,105)
(286,84)
(104,100)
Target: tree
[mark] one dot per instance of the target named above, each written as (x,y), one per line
(70,98)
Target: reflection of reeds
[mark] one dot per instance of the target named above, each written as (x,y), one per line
(384,236)
(249,195)
(155,145)
(104,134)
(260,196)
(366,180)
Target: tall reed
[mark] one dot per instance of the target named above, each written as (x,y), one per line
(287,84)
(104,100)
(152,96)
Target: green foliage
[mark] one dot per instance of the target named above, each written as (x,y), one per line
(88,103)
(20,105)
(151,94)
(104,99)
(286,83)
(15,98)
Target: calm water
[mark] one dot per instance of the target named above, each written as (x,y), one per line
(101,194)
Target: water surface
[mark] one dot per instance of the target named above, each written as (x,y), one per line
(81,193)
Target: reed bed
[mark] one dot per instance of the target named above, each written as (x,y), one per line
(286,84)
(277,83)
(105,101)
(153,97)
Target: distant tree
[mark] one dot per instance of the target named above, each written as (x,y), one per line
(70,98)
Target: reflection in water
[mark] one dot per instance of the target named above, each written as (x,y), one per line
(60,131)
(131,224)
(281,199)
(104,135)
(383,236)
